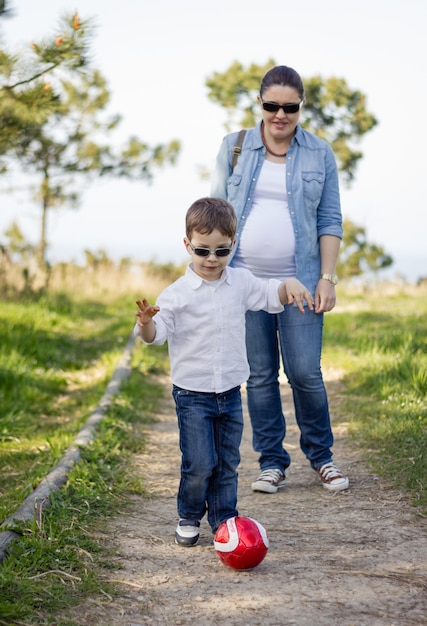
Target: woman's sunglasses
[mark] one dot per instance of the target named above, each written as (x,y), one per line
(206,252)
(272,107)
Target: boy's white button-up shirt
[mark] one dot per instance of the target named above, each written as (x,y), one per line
(204,324)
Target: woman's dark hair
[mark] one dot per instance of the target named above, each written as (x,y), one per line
(285,76)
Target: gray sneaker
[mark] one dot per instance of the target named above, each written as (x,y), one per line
(269,481)
(187,532)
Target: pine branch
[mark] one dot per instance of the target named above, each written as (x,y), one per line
(34,77)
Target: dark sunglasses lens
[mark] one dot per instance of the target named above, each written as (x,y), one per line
(222,251)
(291,108)
(270,107)
(202,251)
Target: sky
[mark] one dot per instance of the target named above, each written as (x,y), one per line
(156,56)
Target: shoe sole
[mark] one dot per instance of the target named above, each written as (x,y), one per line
(186,542)
(265,487)
(341,487)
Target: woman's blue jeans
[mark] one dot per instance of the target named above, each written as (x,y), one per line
(210,433)
(299,339)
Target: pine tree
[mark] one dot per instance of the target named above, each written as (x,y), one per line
(53,115)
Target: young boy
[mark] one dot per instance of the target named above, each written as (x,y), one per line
(202,316)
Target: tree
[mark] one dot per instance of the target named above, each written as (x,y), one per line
(18,247)
(53,116)
(357,255)
(4,10)
(26,96)
(332,110)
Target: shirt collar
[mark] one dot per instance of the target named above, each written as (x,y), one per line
(299,134)
(196,281)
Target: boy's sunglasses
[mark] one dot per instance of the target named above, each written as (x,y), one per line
(272,107)
(206,252)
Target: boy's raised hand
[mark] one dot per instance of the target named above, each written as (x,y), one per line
(146,311)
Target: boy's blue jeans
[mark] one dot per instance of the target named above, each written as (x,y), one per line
(210,433)
(300,339)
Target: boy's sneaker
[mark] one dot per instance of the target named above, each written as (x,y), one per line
(187,532)
(269,481)
(331,477)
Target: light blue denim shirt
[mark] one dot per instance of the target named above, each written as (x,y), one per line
(312,188)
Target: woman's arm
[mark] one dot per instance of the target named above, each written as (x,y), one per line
(325,296)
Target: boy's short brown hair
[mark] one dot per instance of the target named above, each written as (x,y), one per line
(208,214)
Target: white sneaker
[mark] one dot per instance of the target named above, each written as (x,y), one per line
(331,477)
(269,481)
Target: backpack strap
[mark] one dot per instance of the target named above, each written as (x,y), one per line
(238,148)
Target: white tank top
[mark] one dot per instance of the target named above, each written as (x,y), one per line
(267,244)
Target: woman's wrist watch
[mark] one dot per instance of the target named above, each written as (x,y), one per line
(333,278)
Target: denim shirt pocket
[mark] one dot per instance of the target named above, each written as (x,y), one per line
(313,188)
(233,188)
(235,179)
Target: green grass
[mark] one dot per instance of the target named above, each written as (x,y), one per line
(56,356)
(383,352)
(59,560)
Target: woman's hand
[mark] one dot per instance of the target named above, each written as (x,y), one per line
(325,297)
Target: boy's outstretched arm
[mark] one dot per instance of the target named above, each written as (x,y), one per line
(292,290)
(145,314)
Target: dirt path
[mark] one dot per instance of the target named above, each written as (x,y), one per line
(355,558)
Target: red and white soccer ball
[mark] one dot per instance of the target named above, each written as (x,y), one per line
(241,542)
